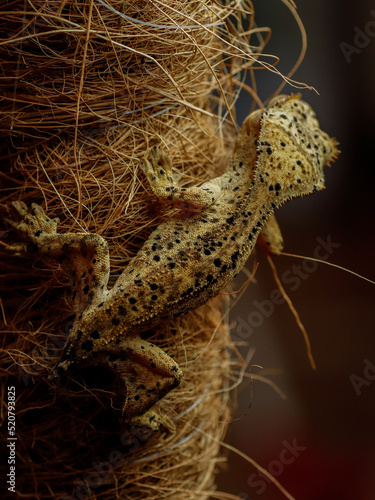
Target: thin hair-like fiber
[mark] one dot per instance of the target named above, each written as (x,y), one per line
(90,87)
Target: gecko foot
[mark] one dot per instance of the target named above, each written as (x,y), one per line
(159,171)
(154,421)
(31,224)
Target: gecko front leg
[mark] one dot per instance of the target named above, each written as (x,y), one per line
(159,174)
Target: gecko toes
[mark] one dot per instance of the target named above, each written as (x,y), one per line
(31,225)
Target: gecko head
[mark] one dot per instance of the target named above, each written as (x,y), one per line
(292,150)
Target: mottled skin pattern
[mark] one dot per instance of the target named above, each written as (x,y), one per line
(280,153)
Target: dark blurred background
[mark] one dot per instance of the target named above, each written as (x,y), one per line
(320,441)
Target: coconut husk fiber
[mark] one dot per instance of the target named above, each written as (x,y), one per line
(88,88)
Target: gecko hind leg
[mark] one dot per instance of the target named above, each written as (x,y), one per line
(83,256)
(159,175)
(148,374)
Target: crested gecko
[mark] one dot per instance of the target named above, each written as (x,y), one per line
(280,153)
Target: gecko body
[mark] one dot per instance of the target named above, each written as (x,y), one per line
(280,153)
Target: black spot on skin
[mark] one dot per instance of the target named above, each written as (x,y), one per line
(187,292)
(234,258)
(121,310)
(217,262)
(132,300)
(153,365)
(170,245)
(88,345)
(224,268)
(38,233)
(154,286)
(283,144)
(134,308)
(79,335)
(209,278)
(136,397)
(269,151)
(270,187)
(230,220)
(86,289)
(138,282)
(172,265)
(207,252)
(115,321)
(156,258)
(154,297)
(94,334)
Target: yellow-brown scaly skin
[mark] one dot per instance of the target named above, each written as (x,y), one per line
(280,153)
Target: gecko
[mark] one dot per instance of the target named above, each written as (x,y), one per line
(280,153)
